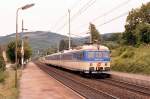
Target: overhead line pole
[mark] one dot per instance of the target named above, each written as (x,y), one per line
(22,46)
(69,30)
(90,33)
(16,49)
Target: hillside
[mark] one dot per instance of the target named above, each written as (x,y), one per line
(43,39)
(39,40)
(36,38)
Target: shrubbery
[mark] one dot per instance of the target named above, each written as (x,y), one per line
(131,59)
(11,51)
(2,76)
(2,67)
(2,63)
(137,33)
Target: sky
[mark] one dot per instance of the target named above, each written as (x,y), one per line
(51,15)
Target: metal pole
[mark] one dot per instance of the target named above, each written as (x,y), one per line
(16,42)
(16,58)
(57,47)
(22,47)
(69,30)
(90,34)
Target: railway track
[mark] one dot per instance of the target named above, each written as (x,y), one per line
(129,86)
(81,88)
(94,88)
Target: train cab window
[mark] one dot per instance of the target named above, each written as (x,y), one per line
(98,54)
(106,54)
(90,55)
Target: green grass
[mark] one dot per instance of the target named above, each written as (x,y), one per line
(131,59)
(7,87)
(2,76)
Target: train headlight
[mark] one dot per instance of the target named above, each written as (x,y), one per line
(98,64)
(91,64)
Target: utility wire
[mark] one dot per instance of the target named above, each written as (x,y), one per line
(115,18)
(62,17)
(75,4)
(90,3)
(83,9)
(109,21)
(76,35)
(59,20)
(108,12)
(80,11)
(112,10)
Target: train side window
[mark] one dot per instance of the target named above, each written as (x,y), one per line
(81,55)
(74,56)
(77,56)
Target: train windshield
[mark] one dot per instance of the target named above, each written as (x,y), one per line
(97,55)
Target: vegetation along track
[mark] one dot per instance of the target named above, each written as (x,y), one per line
(91,88)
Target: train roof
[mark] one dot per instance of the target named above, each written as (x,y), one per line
(92,47)
(87,47)
(84,47)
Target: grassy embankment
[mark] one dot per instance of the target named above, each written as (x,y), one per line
(131,59)
(7,84)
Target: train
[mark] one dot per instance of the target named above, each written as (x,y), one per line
(87,59)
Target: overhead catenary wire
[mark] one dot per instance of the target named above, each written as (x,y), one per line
(60,19)
(75,4)
(76,35)
(104,14)
(109,21)
(113,19)
(112,10)
(64,16)
(83,9)
(108,12)
(80,11)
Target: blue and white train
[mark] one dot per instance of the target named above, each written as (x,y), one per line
(86,59)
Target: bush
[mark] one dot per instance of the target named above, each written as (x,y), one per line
(127,54)
(11,51)
(2,63)
(2,76)
(130,59)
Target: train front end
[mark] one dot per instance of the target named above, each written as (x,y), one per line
(98,61)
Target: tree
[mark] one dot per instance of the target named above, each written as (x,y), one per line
(94,33)
(129,37)
(136,16)
(11,51)
(143,33)
(51,50)
(64,44)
